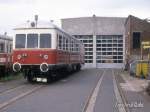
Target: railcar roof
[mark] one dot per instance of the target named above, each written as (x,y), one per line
(41,25)
(5,37)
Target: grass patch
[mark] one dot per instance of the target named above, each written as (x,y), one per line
(9,77)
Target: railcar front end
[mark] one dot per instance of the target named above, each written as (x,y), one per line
(45,51)
(34,54)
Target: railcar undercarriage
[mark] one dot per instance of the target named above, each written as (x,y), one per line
(46,73)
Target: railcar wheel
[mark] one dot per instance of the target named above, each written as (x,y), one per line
(29,79)
(69,69)
(78,67)
(51,76)
(2,72)
(74,68)
(49,79)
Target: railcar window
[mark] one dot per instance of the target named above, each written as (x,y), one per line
(72,45)
(60,42)
(67,44)
(76,47)
(1,47)
(10,48)
(20,40)
(45,40)
(64,40)
(32,41)
(7,48)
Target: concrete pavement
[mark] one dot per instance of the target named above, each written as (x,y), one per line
(90,90)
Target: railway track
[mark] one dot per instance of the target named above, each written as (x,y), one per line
(89,105)
(120,98)
(123,97)
(16,93)
(10,85)
(11,89)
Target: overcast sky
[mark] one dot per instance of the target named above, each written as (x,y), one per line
(14,12)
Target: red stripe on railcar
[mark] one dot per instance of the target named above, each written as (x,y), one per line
(5,58)
(34,56)
(54,57)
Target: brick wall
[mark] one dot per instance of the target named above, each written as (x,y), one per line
(134,24)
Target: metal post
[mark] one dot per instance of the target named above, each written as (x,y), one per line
(36,20)
(141,52)
(148,60)
(94,40)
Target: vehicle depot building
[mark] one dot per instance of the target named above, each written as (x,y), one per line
(136,31)
(103,39)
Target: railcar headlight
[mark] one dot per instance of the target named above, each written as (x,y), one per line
(16,67)
(19,56)
(40,55)
(45,57)
(44,67)
(24,55)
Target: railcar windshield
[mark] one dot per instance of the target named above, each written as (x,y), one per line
(45,40)
(32,40)
(20,41)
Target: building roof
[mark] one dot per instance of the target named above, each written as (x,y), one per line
(94,25)
(143,21)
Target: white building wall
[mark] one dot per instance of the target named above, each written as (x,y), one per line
(104,26)
(94,51)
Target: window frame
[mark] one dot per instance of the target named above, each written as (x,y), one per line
(60,40)
(25,41)
(3,47)
(50,35)
(30,37)
(134,45)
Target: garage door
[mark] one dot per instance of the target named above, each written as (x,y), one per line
(109,51)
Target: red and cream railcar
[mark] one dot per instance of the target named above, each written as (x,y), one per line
(5,54)
(43,50)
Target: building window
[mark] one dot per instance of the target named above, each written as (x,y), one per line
(103,49)
(136,40)
(88,61)
(120,45)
